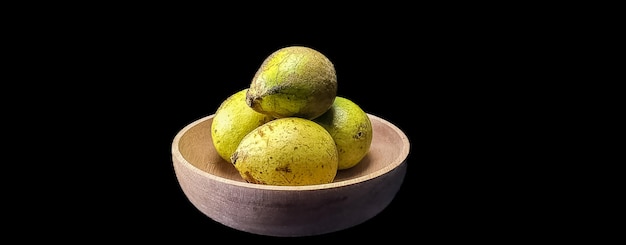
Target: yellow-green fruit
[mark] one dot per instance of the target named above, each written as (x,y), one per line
(287,151)
(351,130)
(232,121)
(294,81)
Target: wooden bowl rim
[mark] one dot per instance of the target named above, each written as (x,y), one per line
(401,158)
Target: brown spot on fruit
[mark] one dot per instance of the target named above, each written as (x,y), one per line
(234,158)
(285,169)
(261,133)
(250,179)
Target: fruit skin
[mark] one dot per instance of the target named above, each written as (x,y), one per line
(294,81)
(351,130)
(287,151)
(232,121)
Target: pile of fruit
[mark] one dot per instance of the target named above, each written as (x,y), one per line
(289,127)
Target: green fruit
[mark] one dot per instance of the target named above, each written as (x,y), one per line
(294,81)
(351,130)
(287,151)
(232,121)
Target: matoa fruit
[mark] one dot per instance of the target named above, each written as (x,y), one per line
(351,130)
(293,81)
(289,151)
(232,121)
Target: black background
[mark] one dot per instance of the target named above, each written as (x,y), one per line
(129,84)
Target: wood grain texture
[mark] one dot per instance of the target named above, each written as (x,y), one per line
(357,194)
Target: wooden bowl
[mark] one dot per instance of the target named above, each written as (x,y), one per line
(357,194)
